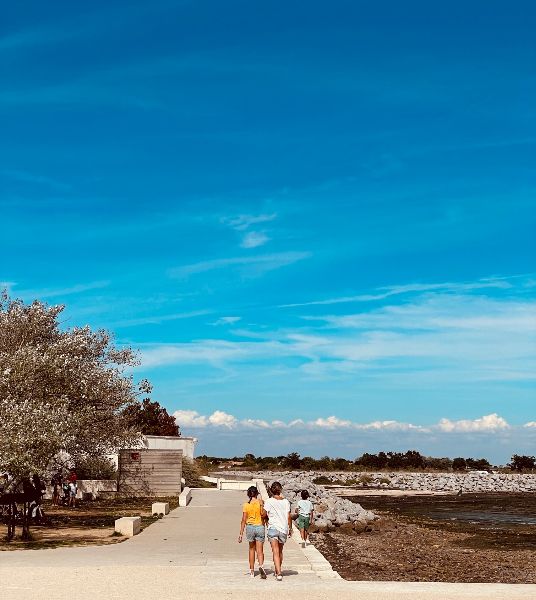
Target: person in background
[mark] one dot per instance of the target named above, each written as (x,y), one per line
(305,516)
(253,522)
(73,488)
(277,510)
(56,483)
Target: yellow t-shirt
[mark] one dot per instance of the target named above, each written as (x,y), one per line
(253,512)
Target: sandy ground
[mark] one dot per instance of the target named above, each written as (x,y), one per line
(89,523)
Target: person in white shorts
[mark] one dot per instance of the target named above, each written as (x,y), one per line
(277,510)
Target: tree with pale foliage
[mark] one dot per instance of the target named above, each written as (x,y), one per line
(62,391)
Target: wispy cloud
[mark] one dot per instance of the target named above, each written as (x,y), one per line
(388,291)
(41,294)
(421,342)
(158,319)
(227,320)
(243,222)
(254,265)
(254,239)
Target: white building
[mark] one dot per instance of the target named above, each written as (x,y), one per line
(163,442)
(169,442)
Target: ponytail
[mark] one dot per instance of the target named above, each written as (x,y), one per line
(252,492)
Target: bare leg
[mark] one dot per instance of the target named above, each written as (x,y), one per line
(260,553)
(277,557)
(251,556)
(280,556)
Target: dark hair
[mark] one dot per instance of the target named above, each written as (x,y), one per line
(252,492)
(304,494)
(276,488)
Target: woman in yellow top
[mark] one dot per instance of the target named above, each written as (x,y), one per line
(253,521)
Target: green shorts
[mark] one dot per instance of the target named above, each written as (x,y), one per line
(302,522)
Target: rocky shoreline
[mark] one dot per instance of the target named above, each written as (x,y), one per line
(474,481)
(412,543)
(333,511)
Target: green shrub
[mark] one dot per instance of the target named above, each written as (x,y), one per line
(322,480)
(95,467)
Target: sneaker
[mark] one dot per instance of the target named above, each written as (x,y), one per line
(262,572)
(279,577)
(252,574)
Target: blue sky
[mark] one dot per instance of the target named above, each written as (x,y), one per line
(295,211)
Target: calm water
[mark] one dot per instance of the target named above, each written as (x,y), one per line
(486,511)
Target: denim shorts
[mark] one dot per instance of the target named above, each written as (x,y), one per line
(275,534)
(255,533)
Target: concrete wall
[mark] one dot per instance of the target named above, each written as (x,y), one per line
(165,442)
(99,488)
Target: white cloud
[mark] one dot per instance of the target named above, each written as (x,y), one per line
(530,424)
(157,319)
(488,423)
(243,222)
(254,239)
(391,425)
(227,321)
(332,422)
(191,418)
(215,352)
(255,265)
(222,419)
(66,291)
(387,291)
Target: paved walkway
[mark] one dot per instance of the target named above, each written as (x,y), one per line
(193,553)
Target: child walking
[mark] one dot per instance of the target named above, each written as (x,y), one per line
(253,522)
(277,510)
(305,516)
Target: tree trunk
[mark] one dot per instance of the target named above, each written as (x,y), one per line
(25,522)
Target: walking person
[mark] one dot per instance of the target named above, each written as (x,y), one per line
(277,510)
(253,522)
(305,516)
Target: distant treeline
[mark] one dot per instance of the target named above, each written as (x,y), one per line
(410,460)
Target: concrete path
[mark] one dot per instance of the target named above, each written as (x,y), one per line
(193,553)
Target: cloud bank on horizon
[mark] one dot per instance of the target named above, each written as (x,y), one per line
(326,225)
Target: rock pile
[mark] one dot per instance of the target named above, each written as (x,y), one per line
(474,481)
(330,511)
